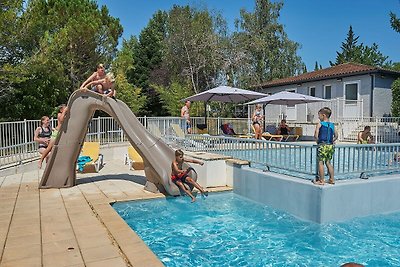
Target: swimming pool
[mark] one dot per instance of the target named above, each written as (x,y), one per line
(226,229)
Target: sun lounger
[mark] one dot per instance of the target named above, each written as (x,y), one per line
(133,159)
(228,130)
(92,150)
(272,137)
(279,137)
(189,142)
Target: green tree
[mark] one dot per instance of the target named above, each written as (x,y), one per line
(171,97)
(122,65)
(57,45)
(148,56)
(193,50)
(269,52)
(316,67)
(395,22)
(360,53)
(350,49)
(396,98)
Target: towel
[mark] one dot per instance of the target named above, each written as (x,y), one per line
(82,160)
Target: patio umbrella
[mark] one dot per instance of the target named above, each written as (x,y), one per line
(225,94)
(286,98)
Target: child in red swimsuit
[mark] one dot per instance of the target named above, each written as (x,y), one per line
(180,176)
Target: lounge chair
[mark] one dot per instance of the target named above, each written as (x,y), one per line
(228,130)
(92,150)
(181,138)
(154,130)
(272,137)
(270,134)
(133,159)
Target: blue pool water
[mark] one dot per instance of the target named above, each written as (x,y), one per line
(228,230)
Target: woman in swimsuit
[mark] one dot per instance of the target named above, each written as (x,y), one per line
(60,119)
(257,120)
(43,134)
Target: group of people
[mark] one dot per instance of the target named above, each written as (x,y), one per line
(103,83)
(98,82)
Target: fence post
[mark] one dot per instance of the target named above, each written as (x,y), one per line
(218,125)
(145,122)
(25,136)
(98,129)
(376,130)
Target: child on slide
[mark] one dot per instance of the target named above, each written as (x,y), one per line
(180,176)
(62,110)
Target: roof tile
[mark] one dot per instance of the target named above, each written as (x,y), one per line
(332,72)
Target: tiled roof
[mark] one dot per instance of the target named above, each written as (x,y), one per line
(342,70)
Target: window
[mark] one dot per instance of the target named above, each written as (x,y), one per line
(328,92)
(311,91)
(351,93)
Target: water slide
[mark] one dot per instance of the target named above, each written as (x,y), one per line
(61,169)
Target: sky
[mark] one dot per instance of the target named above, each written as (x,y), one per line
(319,26)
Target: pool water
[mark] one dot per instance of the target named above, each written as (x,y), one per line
(226,229)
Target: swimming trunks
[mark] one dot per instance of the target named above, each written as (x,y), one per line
(180,177)
(325,152)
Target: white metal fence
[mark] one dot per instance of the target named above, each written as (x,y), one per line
(17,144)
(299,159)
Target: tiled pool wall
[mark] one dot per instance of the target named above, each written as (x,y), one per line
(345,200)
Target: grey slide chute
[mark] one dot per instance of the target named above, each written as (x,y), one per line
(61,169)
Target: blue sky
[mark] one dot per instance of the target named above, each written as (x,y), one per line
(319,26)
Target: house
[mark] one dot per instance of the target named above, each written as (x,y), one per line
(352,90)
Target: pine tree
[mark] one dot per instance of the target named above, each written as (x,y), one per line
(350,49)
(148,58)
(395,22)
(316,66)
(360,53)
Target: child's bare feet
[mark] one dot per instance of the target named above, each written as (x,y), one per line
(40,163)
(318,182)
(331,181)
(205,193)
(193,199)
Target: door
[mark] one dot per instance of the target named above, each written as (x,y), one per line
(351,97)
(291,111)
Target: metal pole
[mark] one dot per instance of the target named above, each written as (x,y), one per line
(25,137)
(98,129)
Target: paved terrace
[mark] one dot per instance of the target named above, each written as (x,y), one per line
(71,226)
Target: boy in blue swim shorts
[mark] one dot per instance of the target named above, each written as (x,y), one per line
(325,135)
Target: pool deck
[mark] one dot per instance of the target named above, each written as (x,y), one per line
(72,226)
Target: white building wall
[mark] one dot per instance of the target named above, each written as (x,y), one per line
(382,99)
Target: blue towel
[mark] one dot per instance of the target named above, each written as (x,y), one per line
(82,160)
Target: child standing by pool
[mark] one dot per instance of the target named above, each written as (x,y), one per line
(326,135)
(180,176)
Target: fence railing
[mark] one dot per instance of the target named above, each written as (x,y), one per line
(17,145)
(299,159)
